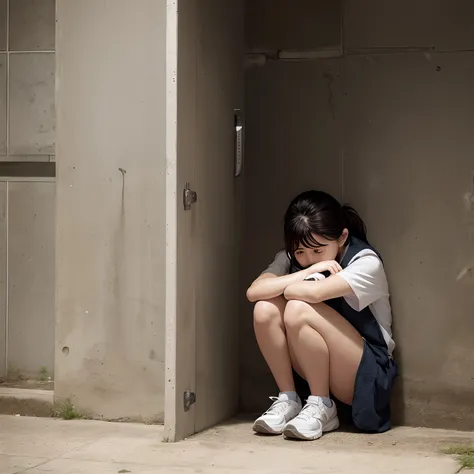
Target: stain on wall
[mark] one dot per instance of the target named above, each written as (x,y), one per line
(110,315)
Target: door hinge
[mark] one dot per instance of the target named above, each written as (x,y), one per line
(189,197)
(189,399)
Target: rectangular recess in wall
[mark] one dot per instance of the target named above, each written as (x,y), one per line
(24,169)
(31,104)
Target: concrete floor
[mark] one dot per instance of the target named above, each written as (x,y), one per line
(44,445)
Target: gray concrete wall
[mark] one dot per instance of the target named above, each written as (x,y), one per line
(30,279)
(27,112)
(27,129)
(387,127)
(110,240)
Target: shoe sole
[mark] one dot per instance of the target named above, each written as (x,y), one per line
(292,432)
(261,427)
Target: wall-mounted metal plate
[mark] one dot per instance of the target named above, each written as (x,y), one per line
(189,197)
(239,141)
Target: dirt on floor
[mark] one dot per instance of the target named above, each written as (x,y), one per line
(45,445)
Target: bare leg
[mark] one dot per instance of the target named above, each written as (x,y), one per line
(312,353)
(327,347)
(271,338)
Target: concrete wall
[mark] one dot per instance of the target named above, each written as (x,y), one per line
(27,114)
(111,207)
(27,129)
(387,127)
(30,279)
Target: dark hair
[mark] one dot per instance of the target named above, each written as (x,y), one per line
(316,212)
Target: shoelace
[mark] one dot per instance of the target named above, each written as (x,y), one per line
(312,410)
(278,406)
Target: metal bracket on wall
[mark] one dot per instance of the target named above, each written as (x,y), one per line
(189,197)
(189,399)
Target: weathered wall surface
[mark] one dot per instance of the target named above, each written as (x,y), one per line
(110,207)
(388,128)
(27,136)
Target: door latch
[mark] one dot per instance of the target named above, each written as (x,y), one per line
(189,197)
(189,399)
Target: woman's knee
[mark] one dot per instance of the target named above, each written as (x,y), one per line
(294,316)
(266,312)
(299,313)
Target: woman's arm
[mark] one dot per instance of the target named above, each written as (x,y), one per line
(268,285)
(364,279)
(318,291)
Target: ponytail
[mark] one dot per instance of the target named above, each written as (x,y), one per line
(354,223)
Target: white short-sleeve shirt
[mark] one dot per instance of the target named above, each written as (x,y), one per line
(366,276)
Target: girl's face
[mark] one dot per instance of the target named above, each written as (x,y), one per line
(326,250)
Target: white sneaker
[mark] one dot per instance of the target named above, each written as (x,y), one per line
(274,420)
(314,420)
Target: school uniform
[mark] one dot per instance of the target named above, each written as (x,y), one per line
(369,311)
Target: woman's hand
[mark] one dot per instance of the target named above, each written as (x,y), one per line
(269,286)
(330,266)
